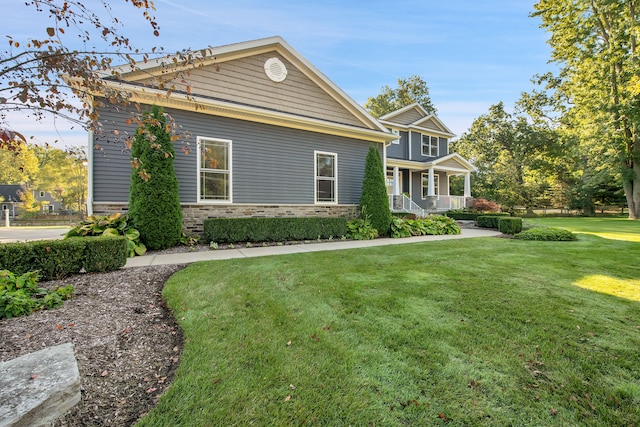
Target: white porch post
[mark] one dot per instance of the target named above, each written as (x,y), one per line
(430,188)
(467,184)
(396,181)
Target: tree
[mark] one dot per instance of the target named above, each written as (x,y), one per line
(64,175)
(19,166)
(31,77)
(374,201)
(514,157)
(154,202)
(595,44)
(409,91)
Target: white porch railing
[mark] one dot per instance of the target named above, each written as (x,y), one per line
(446,203)
(401,203)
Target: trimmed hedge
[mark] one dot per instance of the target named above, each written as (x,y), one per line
(472,216)
(57,259)
(510,225)
(490,221)
(232,230)
(547,234)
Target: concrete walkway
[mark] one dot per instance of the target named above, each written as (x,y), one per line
(189,257)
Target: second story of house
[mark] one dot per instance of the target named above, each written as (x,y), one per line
(422,137)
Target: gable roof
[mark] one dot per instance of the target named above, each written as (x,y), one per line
(265,102)
(453,163)
(10,192)
(415,117)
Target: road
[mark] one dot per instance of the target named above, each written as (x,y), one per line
(20,234)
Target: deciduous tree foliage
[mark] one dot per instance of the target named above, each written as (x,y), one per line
(409,91)
(594,43)
(154,202)
(31,77)
(513,157)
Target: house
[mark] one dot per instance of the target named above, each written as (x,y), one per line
(268,135)
(419,164)
(11,201)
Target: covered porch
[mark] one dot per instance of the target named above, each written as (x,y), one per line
(423,187)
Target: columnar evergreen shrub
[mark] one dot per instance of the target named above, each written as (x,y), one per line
(154,202)
(374,201)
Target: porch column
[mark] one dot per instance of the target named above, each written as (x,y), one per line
(396,181)
(467,184)
(431,191)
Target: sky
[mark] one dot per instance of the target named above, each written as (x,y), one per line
(471,53)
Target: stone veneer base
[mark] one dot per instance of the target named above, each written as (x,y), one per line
(193,215)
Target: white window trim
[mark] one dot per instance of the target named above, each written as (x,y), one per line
(436,184)
(397,133)
(315,178)
(423,145)
(198,168)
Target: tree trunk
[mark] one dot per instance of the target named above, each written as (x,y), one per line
(632,191)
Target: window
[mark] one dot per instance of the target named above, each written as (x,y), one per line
(425,185)
(429,145)
(397,133)
(214,181)
(41,194)
(326,177)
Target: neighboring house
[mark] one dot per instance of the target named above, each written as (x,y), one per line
(11,200)
(270,136)
(419,164)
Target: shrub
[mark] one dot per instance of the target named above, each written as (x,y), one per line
(107,253)
(509,225)
(361,229)
(490,221)
(20,294)
(112,225)
(463,215)
(374,201)
(547,234)
(57,259)
(233,230)
(484,205)
(431,225)
(154,202)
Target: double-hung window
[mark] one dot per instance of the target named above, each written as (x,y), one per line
(326,177)
(214,161)
(425,185)
(429,145)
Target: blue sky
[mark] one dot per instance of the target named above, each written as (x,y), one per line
(471,53)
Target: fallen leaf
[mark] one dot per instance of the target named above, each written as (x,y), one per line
(151,390)
(288,398)
(34,376)
(59,327)
(315,337)
(175,349)
(443,416)
(104,373)
(325,327)
(292,387)
(554,411)
(289,343)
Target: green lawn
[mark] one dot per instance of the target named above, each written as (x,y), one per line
(477,332)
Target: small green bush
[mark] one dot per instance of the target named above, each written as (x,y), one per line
(509,225)
(107,253)
(547,234)
(57,259)
(464,215)
(431,225)
(234,230)
(361,229)
(20,294)
(110,225)
(490,221)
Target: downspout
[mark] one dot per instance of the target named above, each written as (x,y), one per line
(90,167)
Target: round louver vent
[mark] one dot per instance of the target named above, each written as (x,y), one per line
(275,69)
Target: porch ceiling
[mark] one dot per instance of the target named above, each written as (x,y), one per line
(422,166)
